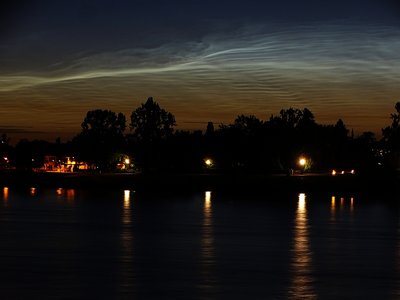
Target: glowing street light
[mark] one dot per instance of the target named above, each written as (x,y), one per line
(127,161)
(208,162)
(302,161)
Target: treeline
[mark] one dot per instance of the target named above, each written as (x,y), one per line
(247,145)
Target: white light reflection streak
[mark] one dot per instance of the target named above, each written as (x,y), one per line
(207,236)
(207,242)
(301,264)
(126,239)
(126,214)
(126,234)
(333,208)
(352,204)
(343,206)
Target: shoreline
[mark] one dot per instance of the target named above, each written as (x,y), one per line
(240,182)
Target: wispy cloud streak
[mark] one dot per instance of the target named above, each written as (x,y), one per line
(348,71)
(324,53)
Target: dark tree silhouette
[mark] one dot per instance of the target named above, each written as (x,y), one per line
(362,153)
(391,140)
(30,154)
(240,144)
(186,150)
(151,127)
(210,129)
(247,124)
(5,151)
(293,117)
(4,139)
(391,134)
(150,122)
(341,131)
(104,123)
(292,133)
(101,136)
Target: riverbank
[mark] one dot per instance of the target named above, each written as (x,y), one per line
(155,182)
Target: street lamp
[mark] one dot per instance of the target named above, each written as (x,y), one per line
(303,163)
(208,162)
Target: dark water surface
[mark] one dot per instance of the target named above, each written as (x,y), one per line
(100,244)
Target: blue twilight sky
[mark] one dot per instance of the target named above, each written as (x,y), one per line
(201,60)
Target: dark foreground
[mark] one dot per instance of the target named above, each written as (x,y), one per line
(104,243)
(258,183)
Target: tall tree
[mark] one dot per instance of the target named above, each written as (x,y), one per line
(391,134)
(210,129)
(151,126)
(291,133)
(104,123)
(150,122)
(101,136)
(247,124)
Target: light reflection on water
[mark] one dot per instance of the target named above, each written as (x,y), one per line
(207,242)
(62,194)
(352,204)
(60,191)
(397,258)
(126,215)
(70,195)
(118,245)
(126,233)
(5,196)
(301,265)
(345,204)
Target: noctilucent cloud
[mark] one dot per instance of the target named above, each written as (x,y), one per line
(201,60)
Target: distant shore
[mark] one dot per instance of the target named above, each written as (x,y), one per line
(157,182)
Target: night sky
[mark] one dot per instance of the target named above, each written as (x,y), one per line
(201,60)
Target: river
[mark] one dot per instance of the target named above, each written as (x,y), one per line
(119,244)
